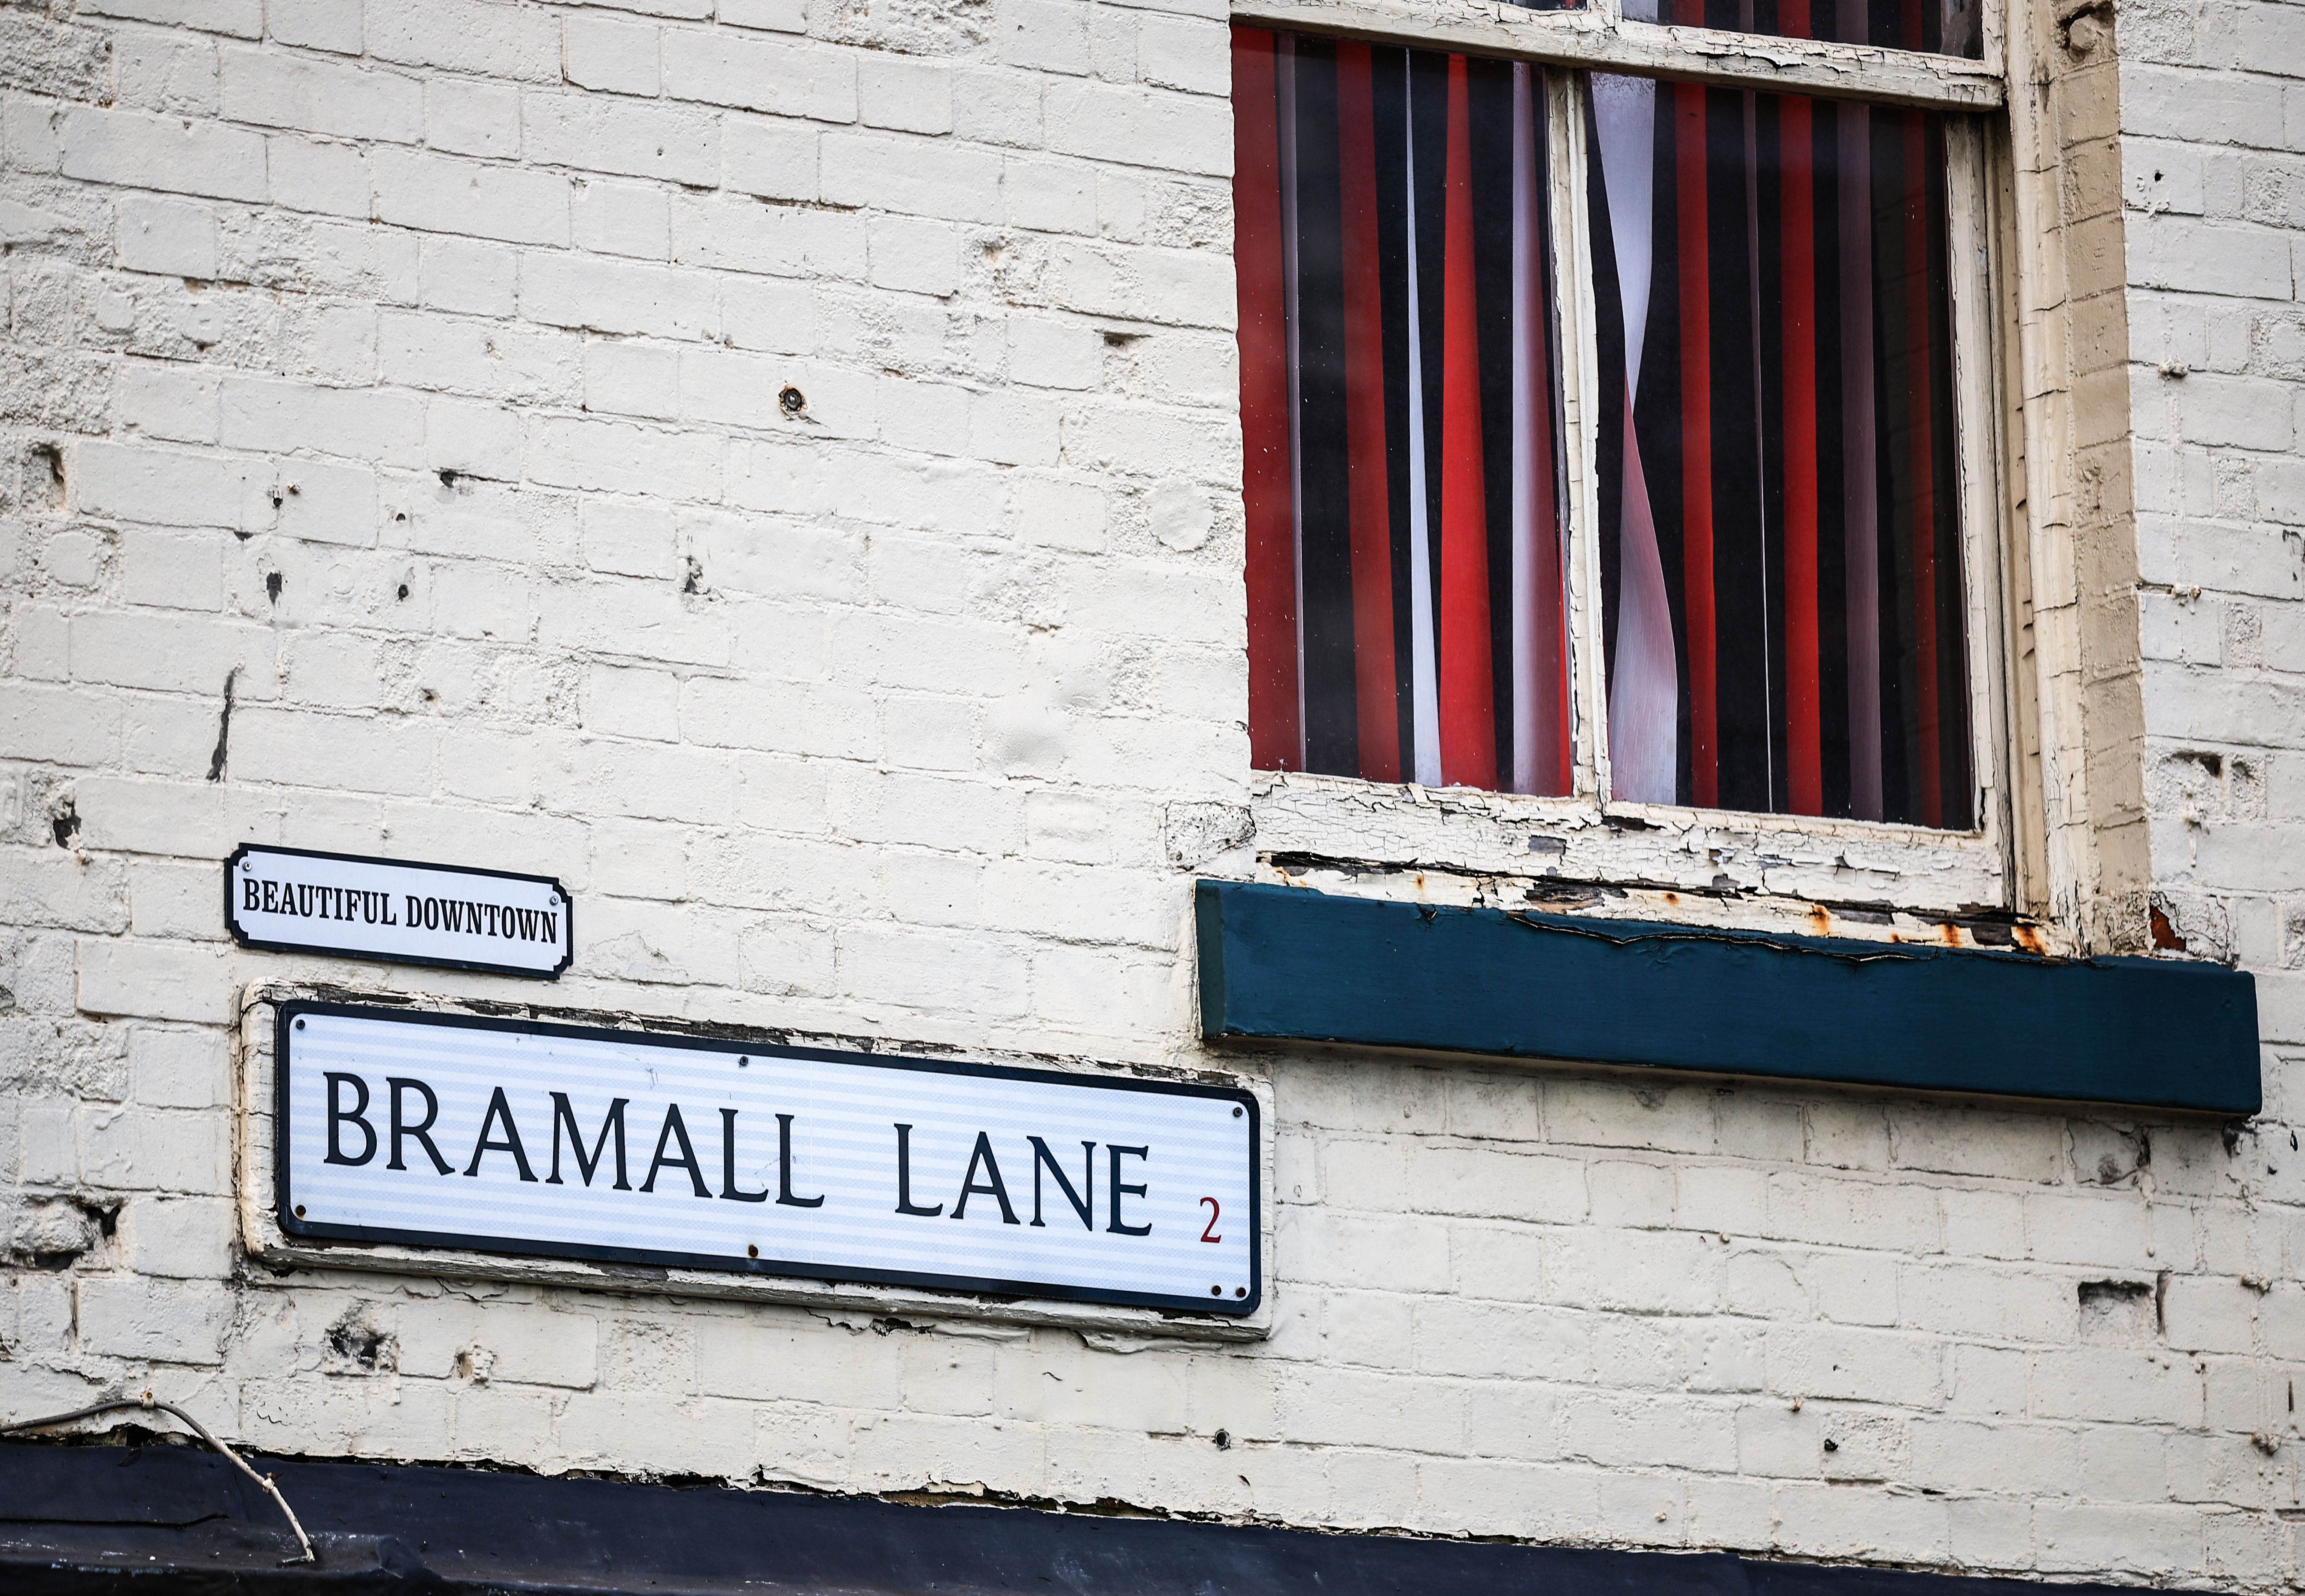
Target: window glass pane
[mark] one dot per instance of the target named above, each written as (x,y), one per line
(1782,581)
(1940,27)
(1405,540)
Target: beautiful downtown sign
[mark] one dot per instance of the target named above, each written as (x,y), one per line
(452,1131)
(294,900)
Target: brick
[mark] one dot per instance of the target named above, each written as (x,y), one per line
(316,24)
(476,119)
(178,1237)
(617,458)
(615,296)
(365,424)
(1635,1270)
(913,97)
(337,752)
(786,78)
(466,357)
(780,16)
(169,570)
(586,131)
(179,1068)
(162,1321)
(155,981)
(486,37)
(1043,35)
(633,379)
(774,159)
(1050,197)
(150,69)
(2209,1315)
(166,235)
(1105,121)
(618,218)
(1188,53)
(273,88)
(172,489)
(610,53)
(774,559)
(738,235)
(165,652)
(307,174)
(444,194)
(912,176)
(162,152)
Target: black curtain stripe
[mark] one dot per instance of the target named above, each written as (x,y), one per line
(1609,429)
(1766,185)
(1389,106)
(1489,101)
(1324,539)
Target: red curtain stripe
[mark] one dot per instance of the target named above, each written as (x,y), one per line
(1365,430)
(1468,748)
(1276,740)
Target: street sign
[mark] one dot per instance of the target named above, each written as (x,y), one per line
(454,1131)
(292,900)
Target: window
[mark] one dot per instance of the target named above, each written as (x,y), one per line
(1619,442)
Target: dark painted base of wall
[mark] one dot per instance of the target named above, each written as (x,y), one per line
(166,1519)
(1290,964)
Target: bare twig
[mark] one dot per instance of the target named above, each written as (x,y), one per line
(147,1402)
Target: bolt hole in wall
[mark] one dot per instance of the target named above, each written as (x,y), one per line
(1780,548)
(44,477)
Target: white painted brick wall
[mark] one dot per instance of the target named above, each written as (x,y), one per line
(412,369)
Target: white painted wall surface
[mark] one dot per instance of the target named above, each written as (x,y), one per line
(409,379)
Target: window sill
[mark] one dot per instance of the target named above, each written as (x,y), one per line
(1791,858)
(1287,963)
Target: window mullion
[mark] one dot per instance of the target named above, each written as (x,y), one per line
(1580,391)
(1980,453)
(1993,30)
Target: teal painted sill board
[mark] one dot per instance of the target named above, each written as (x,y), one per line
(1287,963)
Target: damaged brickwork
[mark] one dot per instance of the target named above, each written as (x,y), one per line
(774,466)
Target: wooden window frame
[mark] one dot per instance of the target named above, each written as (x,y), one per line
(1348,834)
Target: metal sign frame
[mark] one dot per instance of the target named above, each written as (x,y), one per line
(289,1011)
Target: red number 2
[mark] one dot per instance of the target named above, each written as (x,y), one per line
(1209,1234)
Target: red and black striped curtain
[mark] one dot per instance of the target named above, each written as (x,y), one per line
(1780,546)
(1398,404)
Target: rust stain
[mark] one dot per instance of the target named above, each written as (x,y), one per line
(1672,897)
(2164,934)
(2029,940)
(1949,933)
(1820,920)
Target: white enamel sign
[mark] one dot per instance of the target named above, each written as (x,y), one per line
(510,1136)
(290,900)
